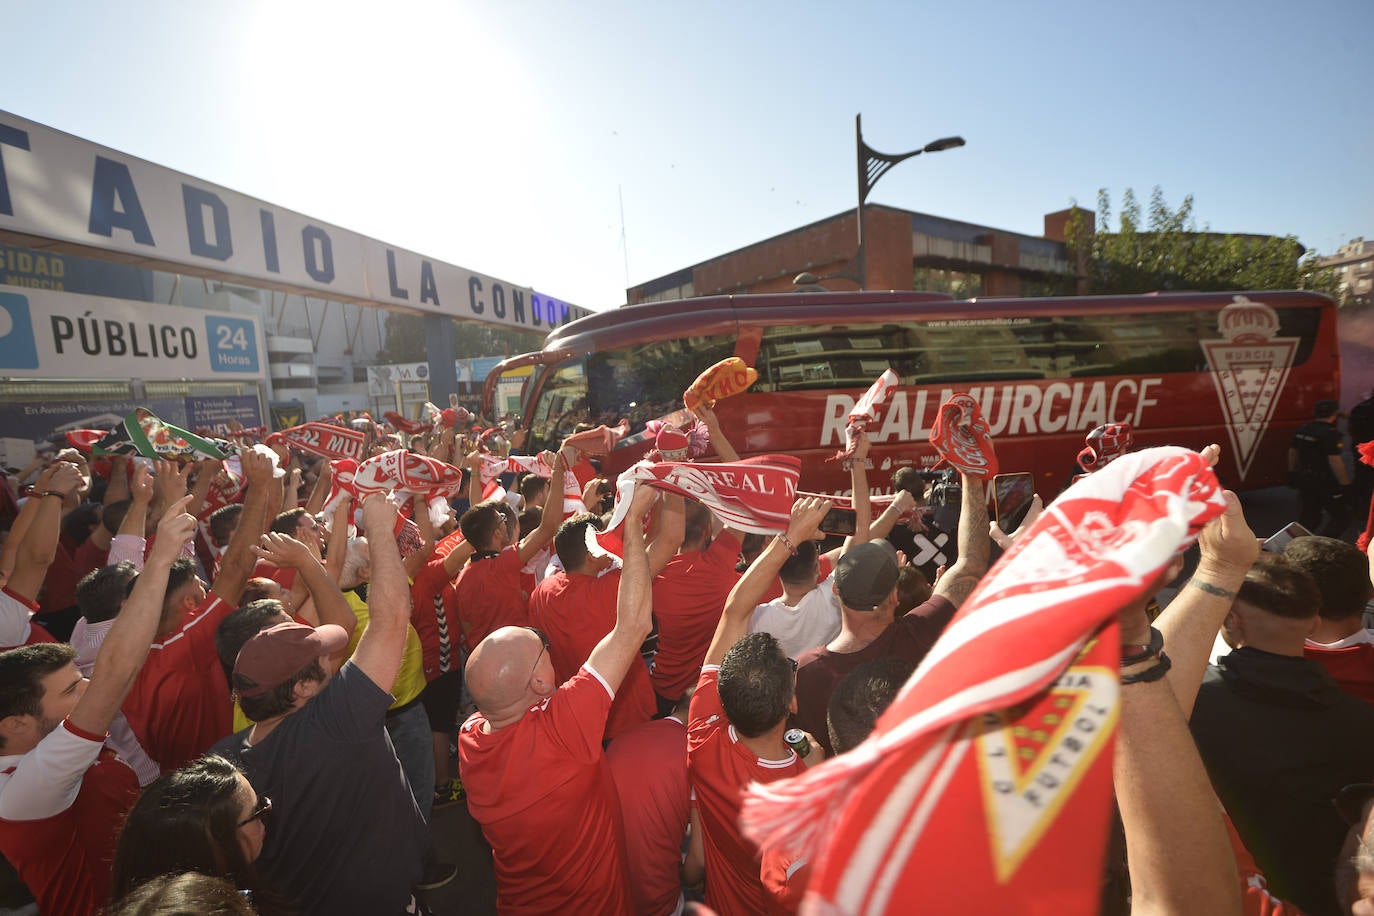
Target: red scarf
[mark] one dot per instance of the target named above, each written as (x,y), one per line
(991,771)
(327,440)
(960,436)
(754,495)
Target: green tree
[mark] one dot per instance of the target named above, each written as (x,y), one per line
(1163,249)
(407,342)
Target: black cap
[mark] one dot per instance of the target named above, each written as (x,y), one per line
(1326,408)
(866,575)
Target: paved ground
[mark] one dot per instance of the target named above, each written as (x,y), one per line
(457,838)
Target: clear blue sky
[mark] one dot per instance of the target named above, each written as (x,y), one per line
(502,136)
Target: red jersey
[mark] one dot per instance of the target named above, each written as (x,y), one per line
(488,596)
(87,558)
(689,596)
(542,791)
(649,765)
(720,767)
(1352,667)
(429,612)
(61,809)
(59,585)
(576,612)
(179,704)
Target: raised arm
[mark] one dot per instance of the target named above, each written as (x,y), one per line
(130,542)
(34,554)
(719,441)
(858,479)
(974,545)
(320,492)
(330,604)
(122,654)
(1191,621)
(206,472)
(552,516)
(117,488)
(388,597)
(1179,855)
(901,504)
(238,561)
(619,648)
(762,573)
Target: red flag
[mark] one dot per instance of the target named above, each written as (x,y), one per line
(986,786)
(755,494)
(599,441)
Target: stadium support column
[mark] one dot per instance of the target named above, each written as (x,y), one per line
(443,374)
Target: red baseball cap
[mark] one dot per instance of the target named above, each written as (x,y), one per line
(276,654)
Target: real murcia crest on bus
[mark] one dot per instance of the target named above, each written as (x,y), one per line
(1249,369)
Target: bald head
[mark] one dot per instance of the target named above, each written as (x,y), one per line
(509,672)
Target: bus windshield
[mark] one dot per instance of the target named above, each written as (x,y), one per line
(640,382)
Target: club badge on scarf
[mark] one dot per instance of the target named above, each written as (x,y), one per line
(993,764)
(142,433)
(961,437)
(728,377)
(864,413)
(327,440)
(753,495)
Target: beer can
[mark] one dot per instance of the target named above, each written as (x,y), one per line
(796,739)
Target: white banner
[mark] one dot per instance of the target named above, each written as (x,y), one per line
(114,202)
(62,335)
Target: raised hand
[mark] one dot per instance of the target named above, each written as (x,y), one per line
(283,550)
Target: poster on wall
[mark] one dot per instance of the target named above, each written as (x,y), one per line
(217,415)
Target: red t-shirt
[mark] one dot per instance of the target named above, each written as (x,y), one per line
(179,705)
(1352,667)
(542,791)
(488,596)
(88,557)
(429,611)
(649,765)
(720,767)
(576,612)
(689,596)
(59,585)
(65,859)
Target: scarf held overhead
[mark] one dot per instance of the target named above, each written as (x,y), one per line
(753,495)
(993,764)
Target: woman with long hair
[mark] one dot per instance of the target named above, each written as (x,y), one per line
(206,818)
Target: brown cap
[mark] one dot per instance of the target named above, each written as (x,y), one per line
(276,654)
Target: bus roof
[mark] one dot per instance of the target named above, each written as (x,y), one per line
(726,314)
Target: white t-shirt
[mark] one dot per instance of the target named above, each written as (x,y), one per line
(813,622)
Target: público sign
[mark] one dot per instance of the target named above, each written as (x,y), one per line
(61,335)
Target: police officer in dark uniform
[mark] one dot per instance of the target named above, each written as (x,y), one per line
(1316,467)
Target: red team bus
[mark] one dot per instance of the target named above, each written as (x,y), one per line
(1241,369)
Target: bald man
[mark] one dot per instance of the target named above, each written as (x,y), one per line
(531,757)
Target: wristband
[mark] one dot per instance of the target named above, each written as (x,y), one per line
(1153,650)
(49,493)
(1151,674)
(787,542)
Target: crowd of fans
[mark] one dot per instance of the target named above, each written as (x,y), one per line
(255,706)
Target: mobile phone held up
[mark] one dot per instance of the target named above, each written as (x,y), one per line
(1012,495)
(1279,539)
(839,521)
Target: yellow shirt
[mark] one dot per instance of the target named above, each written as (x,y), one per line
(410,679)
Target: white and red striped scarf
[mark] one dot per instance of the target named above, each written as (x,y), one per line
(326,440)
(865,412)
(986,786)
(753,495)
(961,437)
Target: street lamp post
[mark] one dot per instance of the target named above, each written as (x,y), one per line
(873,165)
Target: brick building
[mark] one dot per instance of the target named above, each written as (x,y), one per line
(905,250)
